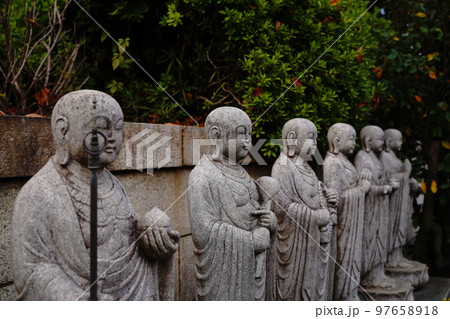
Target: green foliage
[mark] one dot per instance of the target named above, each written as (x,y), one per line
(249,54)
(39,57)
(414,63)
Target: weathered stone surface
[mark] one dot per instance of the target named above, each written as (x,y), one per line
(340,175)
(26,145)
(306,212)
(376,211)
(187,269)
(195,144)
(8,192)
(8,293)
(165,189)
(400,212)
(416,273)
(231,222)
(149,146)
(402,291)
(51,225)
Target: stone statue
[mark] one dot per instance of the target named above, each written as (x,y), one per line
(376,218)
(306,215)
(400,212)
(394,168)
(233,229)
(51,223)
(340,175)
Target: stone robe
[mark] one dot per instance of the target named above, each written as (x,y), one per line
(340,175)
(376,214)
(51,255)
(304,268)
(400,202)
(220,204)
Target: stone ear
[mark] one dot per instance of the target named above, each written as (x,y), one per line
(214,134)
(336,141)
(367,144)
(291,143)
(62,150)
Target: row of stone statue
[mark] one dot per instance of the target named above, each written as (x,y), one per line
(292,237)
(285,237)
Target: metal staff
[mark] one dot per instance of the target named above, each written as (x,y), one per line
(94,165)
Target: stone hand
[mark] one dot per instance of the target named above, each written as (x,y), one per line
(365,174)
(261,239)
(323,217)
(364,184)
(387,189)
(266,218)
(162,242)
(332,196)
(394,183)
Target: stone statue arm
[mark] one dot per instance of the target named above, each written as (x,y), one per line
(364,180)
(159,242)
(332,174)
(37,273)
(362,162)
(287,200)
(204,214)
(157,239)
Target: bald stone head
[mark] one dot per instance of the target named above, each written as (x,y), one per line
(393,140)
(372,139)
(72,119)
(341,138)
(229,129)
(299,137)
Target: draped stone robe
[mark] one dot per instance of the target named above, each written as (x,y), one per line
(304,268)
(400,202)
(376,214)
(220,202)
(50,246)
(341,175)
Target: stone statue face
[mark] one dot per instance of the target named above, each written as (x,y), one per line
(307,143)
(74,120)
(376,140)
(394,142)
(237,142)
(348,141)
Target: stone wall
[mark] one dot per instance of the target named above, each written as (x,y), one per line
(26,145)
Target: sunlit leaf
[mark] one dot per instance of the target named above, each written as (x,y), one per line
(423,186)
(434,187)
(431,56)
(432,74)
(446,144)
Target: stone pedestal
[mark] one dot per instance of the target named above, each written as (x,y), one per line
(416,274)
(403,291)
